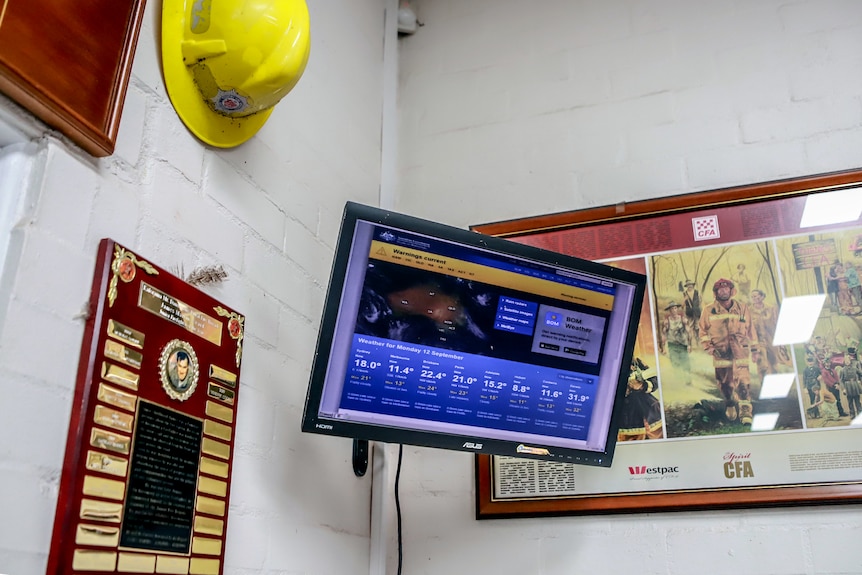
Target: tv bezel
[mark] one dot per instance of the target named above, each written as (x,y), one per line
(313,423)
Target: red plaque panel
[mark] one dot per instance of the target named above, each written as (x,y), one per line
(146,479)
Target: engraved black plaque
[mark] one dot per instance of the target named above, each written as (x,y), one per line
(159,509)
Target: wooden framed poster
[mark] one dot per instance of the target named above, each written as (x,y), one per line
(745,388)
(146,480)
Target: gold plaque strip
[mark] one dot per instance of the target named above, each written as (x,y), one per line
(208,525)
(213,467)
(120,376)
(201,566)
(107,463)
(110,441)
(116,397)
(172,565)
(212,486)
(210,506)
(123,354)
(136,563)
(222,375)
(124,333)
(206,546)
(216,429)
(179,313)
(113,419)
(100,535)
(219,411)
(216,448)
(94,510)
(87,560)
(101,487)
(220,393)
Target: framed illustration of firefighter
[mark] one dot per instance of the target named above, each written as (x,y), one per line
(148,466)
(746,380)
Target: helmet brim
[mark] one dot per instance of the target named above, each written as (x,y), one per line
(206,124)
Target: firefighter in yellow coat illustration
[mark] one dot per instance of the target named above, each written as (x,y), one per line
(727,334)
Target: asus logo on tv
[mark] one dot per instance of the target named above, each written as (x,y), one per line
(471,445)
(322,426)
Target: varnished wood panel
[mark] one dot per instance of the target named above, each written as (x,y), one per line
(68,62)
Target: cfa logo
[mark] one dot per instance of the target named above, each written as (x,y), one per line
(737,465)
(471,445)
(738,469)
(705,228)
(552,319)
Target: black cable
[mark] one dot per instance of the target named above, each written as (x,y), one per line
(398,504)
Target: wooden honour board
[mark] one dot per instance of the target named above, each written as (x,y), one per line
(146,479)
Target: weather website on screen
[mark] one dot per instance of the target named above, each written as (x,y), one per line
(449,337)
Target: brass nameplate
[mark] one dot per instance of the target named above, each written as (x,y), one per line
(136,563)
(222,375)
(117,398)
(93,510)
(107,463)
(101,487)
(220,393)
(120,376)
(110,441)
(113,419)
(179,313)
(208,525)
(126,334)
(206,546)
(216,448)
(172,565)
(213,467)
(219,411)
(87,560)
(201,566)
(210,506)
(216,429)
(123,354)
(99,535)
(212,486)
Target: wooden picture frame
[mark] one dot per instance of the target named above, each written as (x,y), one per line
(704,456)
(69,64)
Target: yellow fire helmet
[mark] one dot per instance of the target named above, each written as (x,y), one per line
(227,63)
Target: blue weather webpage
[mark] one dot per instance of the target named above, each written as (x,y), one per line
(446,333)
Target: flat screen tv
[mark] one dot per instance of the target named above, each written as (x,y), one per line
(436,336)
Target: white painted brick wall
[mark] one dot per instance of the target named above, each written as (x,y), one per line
(268,211)
(509,110)
(687,90)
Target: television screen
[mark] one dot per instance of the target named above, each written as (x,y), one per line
(437,336)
